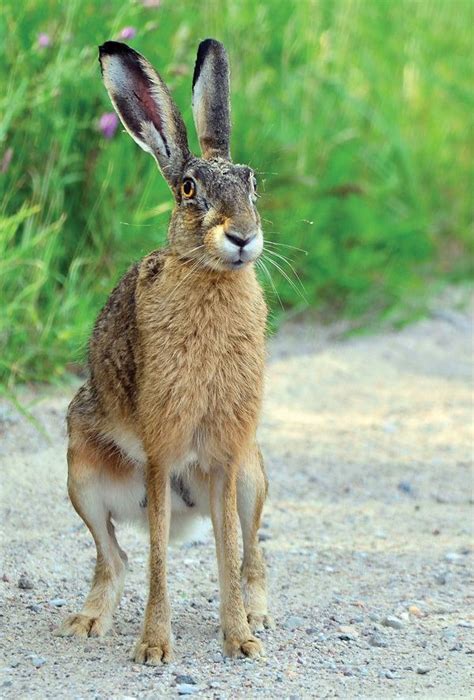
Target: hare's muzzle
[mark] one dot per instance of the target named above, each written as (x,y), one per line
(237,249)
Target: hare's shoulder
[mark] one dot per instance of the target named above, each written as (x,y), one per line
(114,343)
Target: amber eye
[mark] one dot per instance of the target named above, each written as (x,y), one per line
(188,188)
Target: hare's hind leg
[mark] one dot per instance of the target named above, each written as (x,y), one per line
(85,492)
(237,637)
(251,493)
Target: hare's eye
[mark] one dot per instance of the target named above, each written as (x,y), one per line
(188,188)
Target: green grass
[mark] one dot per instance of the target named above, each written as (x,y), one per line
(356,114)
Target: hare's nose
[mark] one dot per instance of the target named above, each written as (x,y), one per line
(239,240)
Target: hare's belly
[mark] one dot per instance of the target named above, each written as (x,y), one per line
(126,497)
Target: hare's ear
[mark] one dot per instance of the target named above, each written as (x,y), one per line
(211,103)
(145,107)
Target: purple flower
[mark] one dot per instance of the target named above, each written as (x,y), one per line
(128,33)
(108,124)
(6,160)
(44,40)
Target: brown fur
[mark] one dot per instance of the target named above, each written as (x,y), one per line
(176,365)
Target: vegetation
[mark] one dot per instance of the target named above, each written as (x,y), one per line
(357,116)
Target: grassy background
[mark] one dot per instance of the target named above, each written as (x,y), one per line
(357,115)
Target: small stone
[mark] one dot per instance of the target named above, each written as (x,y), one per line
(293,622)
(452,557)
(389,675)
(38,661)
(58,602)
(186,689)
(264,536)
(184,679)
(5,578)
(441,578)
(24,583)
(376,640)
(415,611)
(465,623)
(392,621)
(346,632)
(449,633)
(34,607)
(405,487)
(423,670)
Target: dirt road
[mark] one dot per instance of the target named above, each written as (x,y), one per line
(368,537)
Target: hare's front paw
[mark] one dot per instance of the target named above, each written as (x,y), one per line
(250,647)
(260,621)
(153,651)
(80,625)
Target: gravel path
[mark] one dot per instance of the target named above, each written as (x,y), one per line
(367,534)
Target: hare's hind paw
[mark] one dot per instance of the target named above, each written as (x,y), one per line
(80,625)
(260,621)
(152,654)
(237,648)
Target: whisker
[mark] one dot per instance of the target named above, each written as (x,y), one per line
(272,252)
(288,279)
(264,268)
(286,245)
(126,223)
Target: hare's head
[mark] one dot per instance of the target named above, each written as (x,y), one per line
(215,221)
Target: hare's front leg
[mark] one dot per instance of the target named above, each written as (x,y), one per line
(238,639)
(154,645)
(251,494)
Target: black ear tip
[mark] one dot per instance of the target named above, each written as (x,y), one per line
(204,48)
(115,48)
(210,45)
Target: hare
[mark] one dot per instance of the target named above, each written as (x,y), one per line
(164,430)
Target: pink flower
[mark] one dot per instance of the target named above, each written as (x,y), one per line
(108,124)
(128,33)
(44,40)
(6,160)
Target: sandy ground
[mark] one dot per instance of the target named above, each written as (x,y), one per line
(367,534)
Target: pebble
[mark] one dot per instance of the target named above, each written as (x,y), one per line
(58,602)
(423,670)
(452,557)
(24,583)
(449,633)
(347,632)
(405,487)
(441,578)
(293,622)
(376,640)
(415,611)
(186,689)
(465,623)
(184,679)
(264,536)
(38,661)
(392,621)
(35,607)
